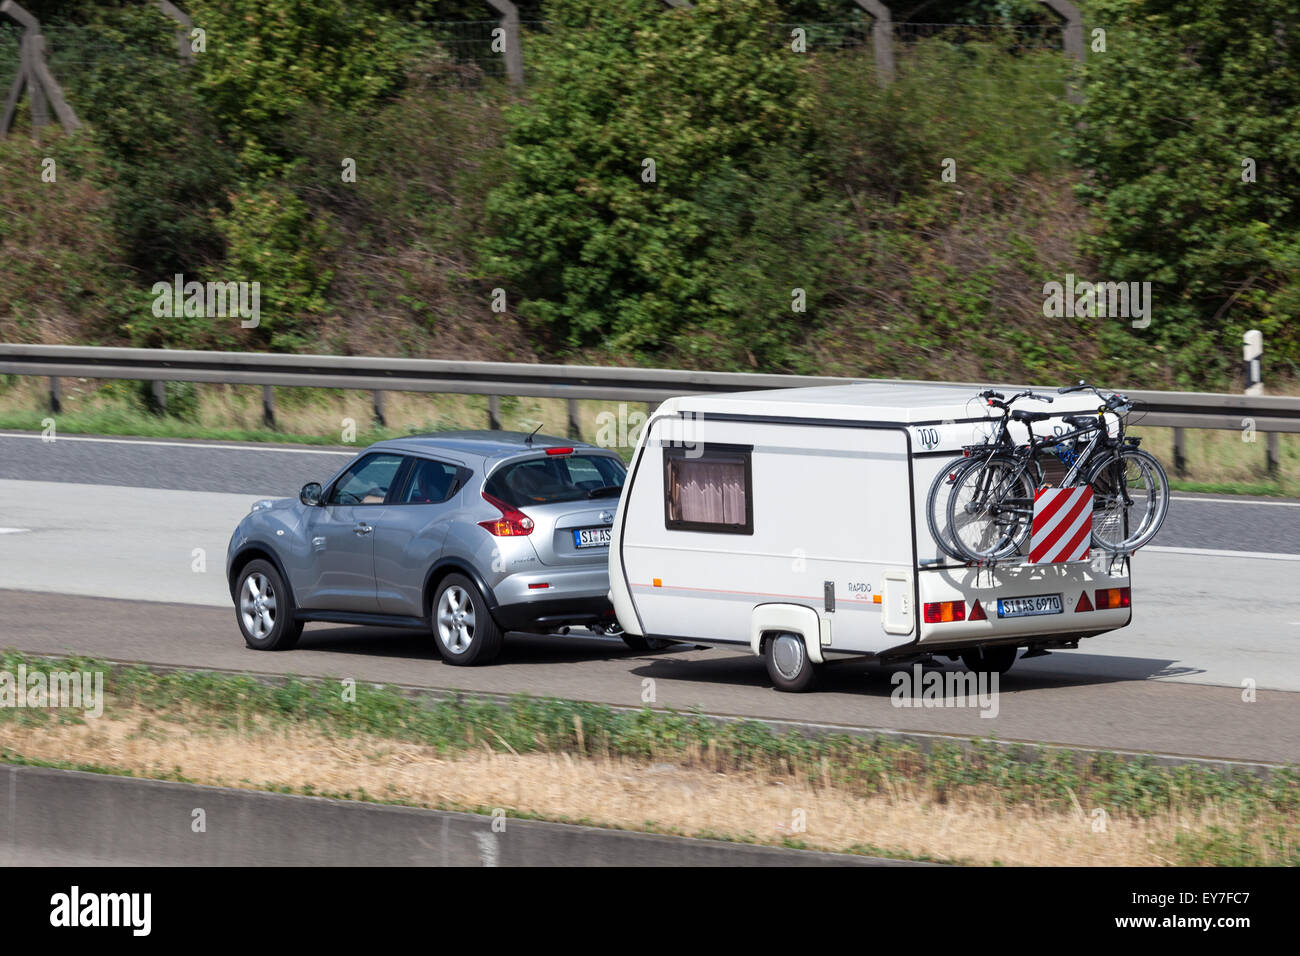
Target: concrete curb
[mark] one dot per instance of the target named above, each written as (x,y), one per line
(61,816)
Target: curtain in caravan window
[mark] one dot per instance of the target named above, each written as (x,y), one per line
(709,492)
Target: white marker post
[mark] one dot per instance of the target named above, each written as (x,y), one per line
(1252,353)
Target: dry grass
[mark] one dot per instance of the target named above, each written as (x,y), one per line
(664,797)
(317,413)
(1227,457)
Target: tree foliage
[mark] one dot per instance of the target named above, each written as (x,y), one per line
(654,147)
(1184,102)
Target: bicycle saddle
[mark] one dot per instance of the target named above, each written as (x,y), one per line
(1023,416)
(1079,421)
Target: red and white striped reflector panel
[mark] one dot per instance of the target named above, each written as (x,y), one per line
(1062,527)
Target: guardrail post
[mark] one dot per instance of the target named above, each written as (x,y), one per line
(575,426)
(1180,452)
(494,412)
(159,388)
(268,406)
(379,408)
(56,394)
(1272,452)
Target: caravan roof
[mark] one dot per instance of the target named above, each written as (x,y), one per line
(906,403)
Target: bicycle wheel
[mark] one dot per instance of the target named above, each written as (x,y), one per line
(991,509)
(1130,498)
(936,505)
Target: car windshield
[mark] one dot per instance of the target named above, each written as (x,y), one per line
(556,478)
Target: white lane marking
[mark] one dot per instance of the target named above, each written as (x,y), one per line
(13,530)
(1214,553)
(250,446)
(1237,501)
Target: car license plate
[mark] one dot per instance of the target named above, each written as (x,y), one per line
(1030,606)
(591,537)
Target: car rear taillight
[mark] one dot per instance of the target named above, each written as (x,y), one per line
(512,521)
(941,612)
(1110,598)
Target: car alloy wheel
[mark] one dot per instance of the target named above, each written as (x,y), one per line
(257,605)
(456,619)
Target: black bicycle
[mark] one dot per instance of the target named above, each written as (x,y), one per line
(936,508)
(990,504)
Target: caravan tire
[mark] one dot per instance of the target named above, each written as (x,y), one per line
(788,664)
(994,660)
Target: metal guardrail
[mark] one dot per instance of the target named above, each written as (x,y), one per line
(1268,414)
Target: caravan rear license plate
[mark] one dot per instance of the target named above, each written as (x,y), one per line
(591,538)
(1029,606)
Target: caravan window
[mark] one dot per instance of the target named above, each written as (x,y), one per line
(709,488)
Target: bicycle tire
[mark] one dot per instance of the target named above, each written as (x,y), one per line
(1007,536)
(1111,528)
(936,511)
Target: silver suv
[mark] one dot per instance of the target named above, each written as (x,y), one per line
(471,534)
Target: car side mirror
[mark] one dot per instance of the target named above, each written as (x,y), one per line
(311,493)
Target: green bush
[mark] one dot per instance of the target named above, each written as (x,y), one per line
(1183,96)
(600,255)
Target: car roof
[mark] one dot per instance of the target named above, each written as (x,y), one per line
(484,444)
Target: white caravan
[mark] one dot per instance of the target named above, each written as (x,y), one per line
(794,522)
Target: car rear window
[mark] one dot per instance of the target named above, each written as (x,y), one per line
(556,478)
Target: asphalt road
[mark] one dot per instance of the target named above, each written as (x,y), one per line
(116,547)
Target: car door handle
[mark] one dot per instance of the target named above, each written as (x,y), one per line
(363,528)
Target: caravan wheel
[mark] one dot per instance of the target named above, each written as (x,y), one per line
(788,664)
(992,660)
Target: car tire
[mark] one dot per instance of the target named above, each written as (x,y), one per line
(788,663)
(991,660)
(463,627)
(264,608)
(645,644)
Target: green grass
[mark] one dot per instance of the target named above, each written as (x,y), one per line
(141,424)
(1009,776)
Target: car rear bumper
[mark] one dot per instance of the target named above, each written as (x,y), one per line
(572,596)
(548,615)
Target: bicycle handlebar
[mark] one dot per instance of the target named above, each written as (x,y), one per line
(998,400)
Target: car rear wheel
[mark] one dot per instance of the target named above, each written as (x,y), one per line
(788,664)
(264,608)
(463,627)
(993,660)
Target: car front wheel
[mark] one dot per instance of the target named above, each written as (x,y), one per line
(463,627)
(264,608)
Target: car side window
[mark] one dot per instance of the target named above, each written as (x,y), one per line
(367,482)
(430,483)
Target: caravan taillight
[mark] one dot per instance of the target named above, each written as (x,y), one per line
(943,612)
(512,521)
(1111,598)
